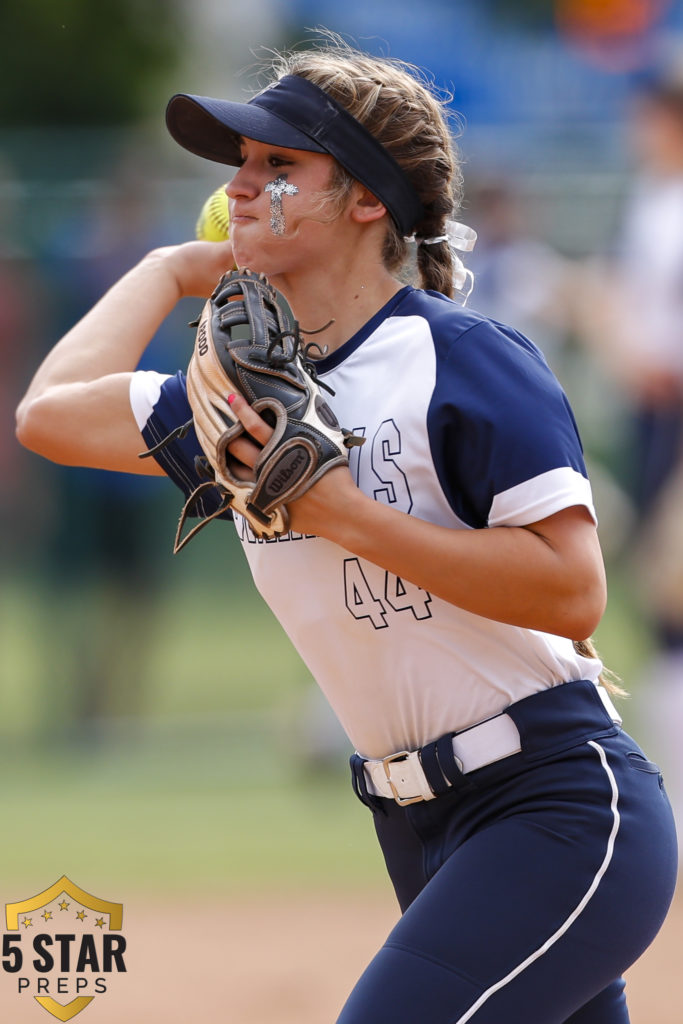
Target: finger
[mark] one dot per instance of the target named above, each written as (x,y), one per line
(244,451)
(254,424)
(241,472)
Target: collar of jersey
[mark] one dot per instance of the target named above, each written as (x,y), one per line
(344,351)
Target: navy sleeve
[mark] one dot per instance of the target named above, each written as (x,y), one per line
(177,458)
(503,436)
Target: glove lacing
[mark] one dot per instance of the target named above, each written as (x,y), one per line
(288,356)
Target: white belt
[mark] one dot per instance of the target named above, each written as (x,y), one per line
(400,776)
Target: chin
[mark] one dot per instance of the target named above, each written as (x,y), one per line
(262,251)
(249,261)
(259,262)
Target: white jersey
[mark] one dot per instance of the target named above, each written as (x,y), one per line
(465,427)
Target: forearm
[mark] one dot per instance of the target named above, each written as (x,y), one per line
(112,336)
(550,580)
(547,576)
(77,409)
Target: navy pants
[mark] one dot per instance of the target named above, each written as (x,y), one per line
(529,890)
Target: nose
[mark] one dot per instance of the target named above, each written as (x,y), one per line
(242,185)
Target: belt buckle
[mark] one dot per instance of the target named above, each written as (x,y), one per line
(402,801)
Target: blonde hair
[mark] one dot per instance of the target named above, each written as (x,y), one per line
(400,108)
(610,680)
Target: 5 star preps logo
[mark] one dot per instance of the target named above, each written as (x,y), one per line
(62,947)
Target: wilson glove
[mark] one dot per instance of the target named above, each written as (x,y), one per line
(248,343)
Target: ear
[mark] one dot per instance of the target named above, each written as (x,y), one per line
(365,207)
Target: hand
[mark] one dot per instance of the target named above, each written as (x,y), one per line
(197,266)
(245,449)
(322,509)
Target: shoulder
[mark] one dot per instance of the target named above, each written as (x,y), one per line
(502,433)
(164,417)
(444,314)
(463,335)
(158,396)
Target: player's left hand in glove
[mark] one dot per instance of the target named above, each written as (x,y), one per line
(247,343)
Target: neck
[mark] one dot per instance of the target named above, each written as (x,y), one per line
(347,300)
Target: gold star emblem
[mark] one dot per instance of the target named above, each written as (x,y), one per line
(64,905)
(27,922)
(81,915)
(46,915)
(99,923)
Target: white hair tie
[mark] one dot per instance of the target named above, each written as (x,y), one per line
(463,280)
(460,238)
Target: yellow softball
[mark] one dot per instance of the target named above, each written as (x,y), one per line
(213,223)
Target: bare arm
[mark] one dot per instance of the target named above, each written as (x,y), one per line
(547,576)
(76,410)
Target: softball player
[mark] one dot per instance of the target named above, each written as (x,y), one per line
(437,587)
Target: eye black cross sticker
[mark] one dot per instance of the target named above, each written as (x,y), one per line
(278,189)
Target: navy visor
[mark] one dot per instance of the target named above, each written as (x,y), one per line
(295,114)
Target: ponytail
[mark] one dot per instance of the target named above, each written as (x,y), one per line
(435,266)
(610,680)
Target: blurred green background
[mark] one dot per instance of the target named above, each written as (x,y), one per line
(157,731)
(213,776)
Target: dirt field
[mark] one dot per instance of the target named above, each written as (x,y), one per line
(288,961)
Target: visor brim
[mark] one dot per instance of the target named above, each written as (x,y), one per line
(212,128)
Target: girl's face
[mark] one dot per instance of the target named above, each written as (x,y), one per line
(279,220)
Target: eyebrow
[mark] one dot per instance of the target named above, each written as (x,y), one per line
(243,139)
